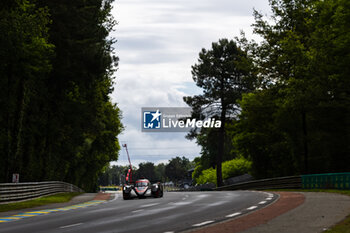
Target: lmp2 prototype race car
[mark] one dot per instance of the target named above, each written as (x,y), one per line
(142,187)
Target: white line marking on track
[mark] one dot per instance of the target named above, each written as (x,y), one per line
(115,197)
(72,225)
(252,207)
(233,215)
(262,202)
(135,211)
(181,203)
(148,205)
(202,223)
(269,198)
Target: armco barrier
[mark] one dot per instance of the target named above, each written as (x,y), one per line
(326,181)
(319,181)
(14,192)
(289,182)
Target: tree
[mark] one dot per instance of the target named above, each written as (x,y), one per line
(112,175)
(297,120)
(147,170)
(82,123)
(25,55)
(261,135)
(177,168)
(224,73)
(207,139)
(56,74)
(160,172)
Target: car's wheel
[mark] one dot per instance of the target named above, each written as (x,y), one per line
(156,194)
(126,197)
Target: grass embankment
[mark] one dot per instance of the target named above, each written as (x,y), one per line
(56,198)
(343,226)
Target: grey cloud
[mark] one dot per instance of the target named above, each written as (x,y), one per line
(155,57)
(158,41)
(228,7)
(141,43)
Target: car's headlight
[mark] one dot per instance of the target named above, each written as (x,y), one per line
(156,186)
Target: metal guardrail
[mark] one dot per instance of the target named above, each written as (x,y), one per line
(14,192)
(289,182)
(325,181)
(104,189)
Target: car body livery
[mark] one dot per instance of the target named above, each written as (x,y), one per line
(142,188)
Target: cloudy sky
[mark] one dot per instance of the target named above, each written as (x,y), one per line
(158,41)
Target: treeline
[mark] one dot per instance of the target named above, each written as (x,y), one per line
(176,170)
(56,118)
(285,102)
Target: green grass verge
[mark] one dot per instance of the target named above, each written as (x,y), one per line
(56,198)
(343,226)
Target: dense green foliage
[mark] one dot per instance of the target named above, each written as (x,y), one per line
(112,175)
(147,170)
(297,118)
(208,140)
(177,168)
(207,176)
(56,120)
(231,168)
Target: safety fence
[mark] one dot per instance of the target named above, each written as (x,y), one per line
(289,182)
(14,192)
(326,181)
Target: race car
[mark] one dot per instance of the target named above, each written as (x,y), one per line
(142,188)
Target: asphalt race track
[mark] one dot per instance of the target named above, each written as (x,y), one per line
(175,212)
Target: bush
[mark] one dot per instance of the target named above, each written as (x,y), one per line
(231,168)
(207,176)
(197,172)
(235,167)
